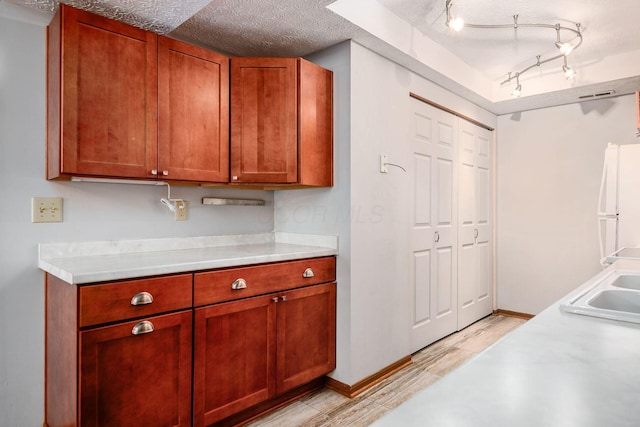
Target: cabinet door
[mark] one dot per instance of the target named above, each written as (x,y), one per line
(306,335)
(315,125)
(433,225)
(234,357)
(193,102)
(264,120)
(475,263)
(137,380)
(109,97)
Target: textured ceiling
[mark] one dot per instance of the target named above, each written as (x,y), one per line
(266,28)
(160,16)
(301,27)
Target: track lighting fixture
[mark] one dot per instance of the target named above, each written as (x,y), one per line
(564,47)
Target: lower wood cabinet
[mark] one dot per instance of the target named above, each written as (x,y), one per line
(251,350)
(137,373)
(126,372)
(180,350)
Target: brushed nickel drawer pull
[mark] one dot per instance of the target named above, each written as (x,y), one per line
(142,298)
(239,284)
(308,273)
(143,327)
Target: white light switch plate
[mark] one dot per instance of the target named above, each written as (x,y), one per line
(46,209)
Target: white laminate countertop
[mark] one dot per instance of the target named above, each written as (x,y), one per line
(558,369)
(88,262)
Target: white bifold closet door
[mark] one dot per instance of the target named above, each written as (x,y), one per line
(475,265)
(433,230)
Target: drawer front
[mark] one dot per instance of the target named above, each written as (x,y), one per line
(229,284)
(112,302)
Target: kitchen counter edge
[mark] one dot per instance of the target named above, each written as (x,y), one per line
(80,263)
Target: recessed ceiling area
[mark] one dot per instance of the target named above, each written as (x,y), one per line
(471,63)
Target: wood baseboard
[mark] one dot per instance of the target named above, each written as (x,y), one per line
(510,313)
(352,391)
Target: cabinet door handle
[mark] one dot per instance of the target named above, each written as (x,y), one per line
(239,284)
(308,273)
(142,298)
(165,173)
(154,171)
(274,299)
(475,233)
(283,298)
(143,327)
(437,237)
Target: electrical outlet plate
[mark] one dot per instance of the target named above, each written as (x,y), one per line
(180,214)
(46,209)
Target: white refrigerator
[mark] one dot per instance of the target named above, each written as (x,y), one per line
(619,200)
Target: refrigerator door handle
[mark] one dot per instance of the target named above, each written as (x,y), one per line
(607,208)
(609,176)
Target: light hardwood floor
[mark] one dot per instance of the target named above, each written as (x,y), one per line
(326,408)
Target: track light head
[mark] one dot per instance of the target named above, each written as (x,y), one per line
(565,48)
(569,72)
(456,24)
(517,92)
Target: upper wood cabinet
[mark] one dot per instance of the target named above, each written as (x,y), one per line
(193,100)
(281,122)
(126,103)
(102,97)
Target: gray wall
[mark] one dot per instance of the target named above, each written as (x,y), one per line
(549,164)
(328,210)
(370,211)
(91,212)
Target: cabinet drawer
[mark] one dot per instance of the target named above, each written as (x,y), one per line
(111,302)
(217,286)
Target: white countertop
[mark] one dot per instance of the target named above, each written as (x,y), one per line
(558,369)
(87,262)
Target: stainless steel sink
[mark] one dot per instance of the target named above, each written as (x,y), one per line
(615,296)
(627,281)
(617,301)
